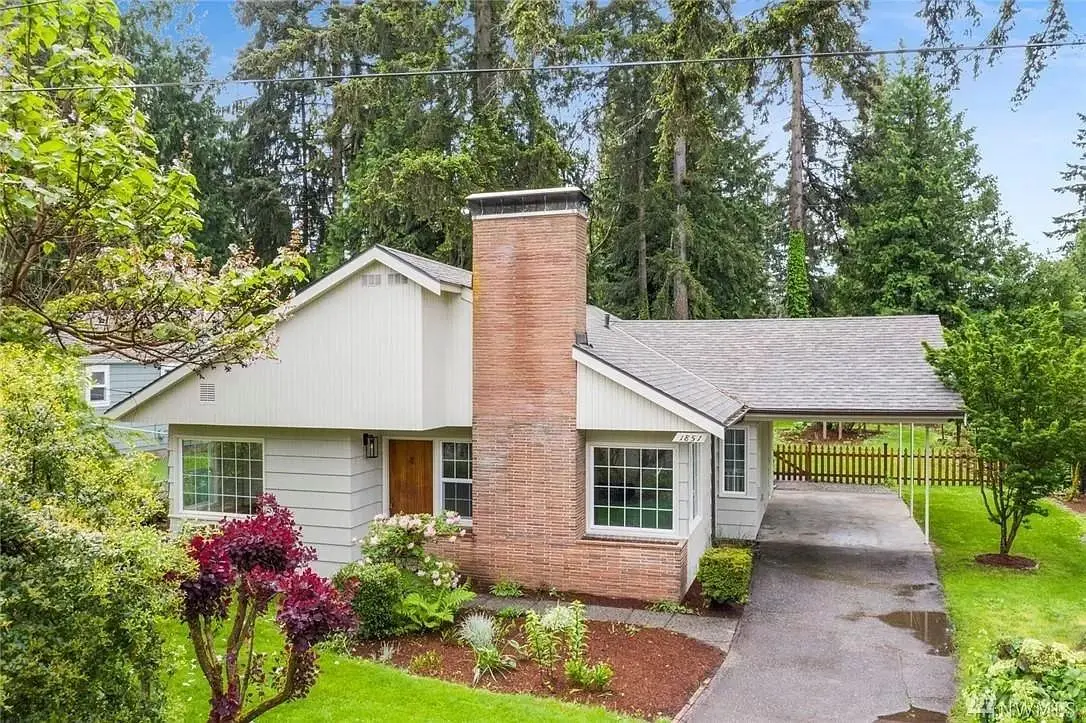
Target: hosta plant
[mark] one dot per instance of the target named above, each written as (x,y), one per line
(243,567)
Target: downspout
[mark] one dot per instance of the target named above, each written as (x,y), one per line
(712,489)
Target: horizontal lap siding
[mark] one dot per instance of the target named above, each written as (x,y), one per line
(604,405)
(739,517)
(321,475)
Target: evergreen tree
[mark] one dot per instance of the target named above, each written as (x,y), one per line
(279,178)
(1070,223)
(927,232)
(185,120)
(797,292)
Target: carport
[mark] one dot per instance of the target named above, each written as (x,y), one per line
(839,369)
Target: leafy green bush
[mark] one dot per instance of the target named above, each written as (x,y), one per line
(510,612)
(79,612)
(1030,680)
(375,592)
(724,574)
(595,678)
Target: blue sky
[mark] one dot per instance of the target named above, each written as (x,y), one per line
(1025,147)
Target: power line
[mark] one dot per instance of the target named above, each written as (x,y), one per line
(589,67)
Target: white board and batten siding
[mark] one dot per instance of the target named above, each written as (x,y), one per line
(358,358)
(604,404)
(322,475)
(738,516)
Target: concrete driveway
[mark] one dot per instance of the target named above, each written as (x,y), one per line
(846,620)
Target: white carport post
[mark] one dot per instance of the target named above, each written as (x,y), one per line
(927,483)
(912,469)
(900,458)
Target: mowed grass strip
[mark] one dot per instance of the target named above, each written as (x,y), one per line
(352,689)
(985,603)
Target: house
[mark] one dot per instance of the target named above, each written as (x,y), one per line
(111,378)
(585,452)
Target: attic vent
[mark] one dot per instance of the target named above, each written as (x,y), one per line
(371,279)
(207,393)
(395,279)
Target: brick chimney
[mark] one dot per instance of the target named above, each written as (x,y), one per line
(529,292)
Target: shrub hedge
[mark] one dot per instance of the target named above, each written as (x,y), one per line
(376,590)
(724,574)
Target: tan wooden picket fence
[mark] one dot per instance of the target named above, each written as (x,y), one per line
(870,465)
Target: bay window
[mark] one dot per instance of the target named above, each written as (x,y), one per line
(632,488)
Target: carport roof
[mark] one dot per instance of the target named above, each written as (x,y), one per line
(819,368)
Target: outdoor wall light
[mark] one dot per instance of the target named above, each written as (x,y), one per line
(369,444)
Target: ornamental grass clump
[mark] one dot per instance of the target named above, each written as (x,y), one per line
(243,567)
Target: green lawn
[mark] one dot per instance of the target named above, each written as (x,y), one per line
(888,435)
(350,689)
(985,603)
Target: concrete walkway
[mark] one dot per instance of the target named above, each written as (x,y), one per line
(714,631)
(844,596)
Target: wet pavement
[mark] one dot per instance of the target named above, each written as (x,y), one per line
(846,620)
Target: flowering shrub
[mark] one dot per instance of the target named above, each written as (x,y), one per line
(401,540)
(245,565)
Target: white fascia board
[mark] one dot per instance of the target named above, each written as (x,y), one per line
(650,393)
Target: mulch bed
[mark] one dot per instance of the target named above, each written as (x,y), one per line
(656,671)
(1015,562)
(1076,505)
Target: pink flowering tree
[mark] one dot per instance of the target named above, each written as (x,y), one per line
(97,244)
(242,568)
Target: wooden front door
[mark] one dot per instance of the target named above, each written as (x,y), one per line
(410,476)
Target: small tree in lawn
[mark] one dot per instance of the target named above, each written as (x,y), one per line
(243,567)
(1023,380)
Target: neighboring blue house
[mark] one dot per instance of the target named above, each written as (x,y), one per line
(112,379)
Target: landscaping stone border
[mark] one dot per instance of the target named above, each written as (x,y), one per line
(715,631)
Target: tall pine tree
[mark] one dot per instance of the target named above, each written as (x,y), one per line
(1069,224)
(927,232)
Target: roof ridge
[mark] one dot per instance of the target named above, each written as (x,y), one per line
(697,376)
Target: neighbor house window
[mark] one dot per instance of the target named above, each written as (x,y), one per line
(98,385)
(633,487)
(734,478)
(221,476)
(456,477)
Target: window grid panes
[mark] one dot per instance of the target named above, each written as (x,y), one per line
(456,477)
(220,476)
(734,478)
(633,487)
(99,383)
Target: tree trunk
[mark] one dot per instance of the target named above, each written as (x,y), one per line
(795,149)
(484,53)
(642,247)
(678,172)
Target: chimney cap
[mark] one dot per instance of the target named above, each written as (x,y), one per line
(536,200)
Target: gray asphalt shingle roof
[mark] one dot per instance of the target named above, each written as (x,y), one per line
(851,365)
(624,352)
(444,273)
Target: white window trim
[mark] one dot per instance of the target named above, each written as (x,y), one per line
(439,480)
(91,370)
(179,478)
(749,490)
(656,533)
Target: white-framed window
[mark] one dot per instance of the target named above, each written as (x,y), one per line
(733,477)
(221,476)
(455,466)
(632,488)
(98,385)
